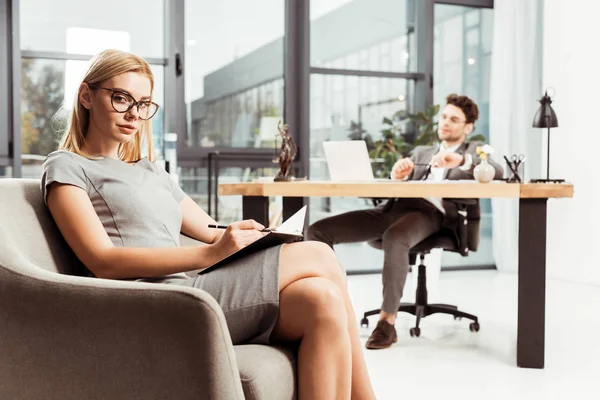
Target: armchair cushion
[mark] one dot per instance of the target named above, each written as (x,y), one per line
(69,336)
(276,377)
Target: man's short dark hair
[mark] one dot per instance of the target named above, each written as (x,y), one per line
(467,106)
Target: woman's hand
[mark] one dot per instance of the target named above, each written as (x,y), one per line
(238,235)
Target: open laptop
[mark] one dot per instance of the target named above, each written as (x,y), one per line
(349,161)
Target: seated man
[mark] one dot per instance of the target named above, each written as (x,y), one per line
(403,223)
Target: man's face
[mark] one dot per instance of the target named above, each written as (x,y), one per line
(453,126)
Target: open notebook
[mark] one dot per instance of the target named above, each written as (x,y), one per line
(289,231)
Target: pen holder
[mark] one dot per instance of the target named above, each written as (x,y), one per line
(515,171)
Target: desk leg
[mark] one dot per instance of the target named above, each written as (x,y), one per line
(532,283)
(291,205)
(256,208)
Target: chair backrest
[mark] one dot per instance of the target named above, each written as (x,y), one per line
(27,224)
(26,220)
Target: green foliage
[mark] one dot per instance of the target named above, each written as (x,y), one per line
(426,126)
(269,111)
(41,94)
(358,133)
(395,144)
(476,137)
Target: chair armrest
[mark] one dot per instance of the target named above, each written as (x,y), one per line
(66,337)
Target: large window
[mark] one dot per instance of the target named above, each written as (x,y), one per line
(373,35)
(370,60)
(380,35)
(57,39)
(350,39)
(86,27)
(234,72)
(234,93)
(462,57)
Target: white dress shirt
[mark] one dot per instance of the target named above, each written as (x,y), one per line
(437,174)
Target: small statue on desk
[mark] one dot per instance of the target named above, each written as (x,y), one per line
(287,153)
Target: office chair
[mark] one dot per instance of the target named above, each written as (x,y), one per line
(468,219)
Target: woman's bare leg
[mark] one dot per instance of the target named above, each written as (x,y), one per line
(310,311)
(315,259)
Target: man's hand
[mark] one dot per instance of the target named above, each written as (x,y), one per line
(402,168)
(445,159)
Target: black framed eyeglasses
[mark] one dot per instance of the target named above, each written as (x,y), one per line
(122,102)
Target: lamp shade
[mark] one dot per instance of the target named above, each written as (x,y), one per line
(545,117)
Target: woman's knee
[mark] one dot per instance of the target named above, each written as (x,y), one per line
(327,261)
(309,259)
(325,304)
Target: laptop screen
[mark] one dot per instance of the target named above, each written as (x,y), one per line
(348,160)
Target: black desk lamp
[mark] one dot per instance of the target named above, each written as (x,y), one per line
(545,117)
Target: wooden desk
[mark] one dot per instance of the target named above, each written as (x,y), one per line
(533,198)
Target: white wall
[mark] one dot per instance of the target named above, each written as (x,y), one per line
(571,32)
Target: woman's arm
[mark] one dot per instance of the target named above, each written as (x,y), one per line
(80,226)
(195,222)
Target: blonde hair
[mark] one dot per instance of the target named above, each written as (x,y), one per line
(103,66)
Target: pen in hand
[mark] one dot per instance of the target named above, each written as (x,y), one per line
(225,227)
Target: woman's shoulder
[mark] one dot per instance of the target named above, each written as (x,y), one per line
(153,166)
(62,167)
(60,158)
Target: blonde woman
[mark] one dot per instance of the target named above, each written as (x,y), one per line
(122,217)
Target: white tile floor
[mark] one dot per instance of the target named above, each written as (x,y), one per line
(450,361)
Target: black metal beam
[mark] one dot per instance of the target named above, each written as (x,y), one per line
(417,76)
(297,77)
(5,80)
(468,3)
(424,39)
(15,87)
(297,80)
(10,80)
(175,115)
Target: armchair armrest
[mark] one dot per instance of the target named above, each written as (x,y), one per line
(66,337)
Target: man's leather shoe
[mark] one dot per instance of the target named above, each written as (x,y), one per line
(383,336)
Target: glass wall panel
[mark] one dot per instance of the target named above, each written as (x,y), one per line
(85,26)
(350,108)
(234,72)
(462,56)
(50,86)
(375,35)
(194,182)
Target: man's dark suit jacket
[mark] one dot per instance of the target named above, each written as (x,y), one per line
(453,221)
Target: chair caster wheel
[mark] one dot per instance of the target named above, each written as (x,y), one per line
(415,332)
(364,323)
(474,326)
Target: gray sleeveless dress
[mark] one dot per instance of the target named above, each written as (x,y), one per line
(139,206)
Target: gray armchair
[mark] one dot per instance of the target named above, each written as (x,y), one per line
(67,336)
